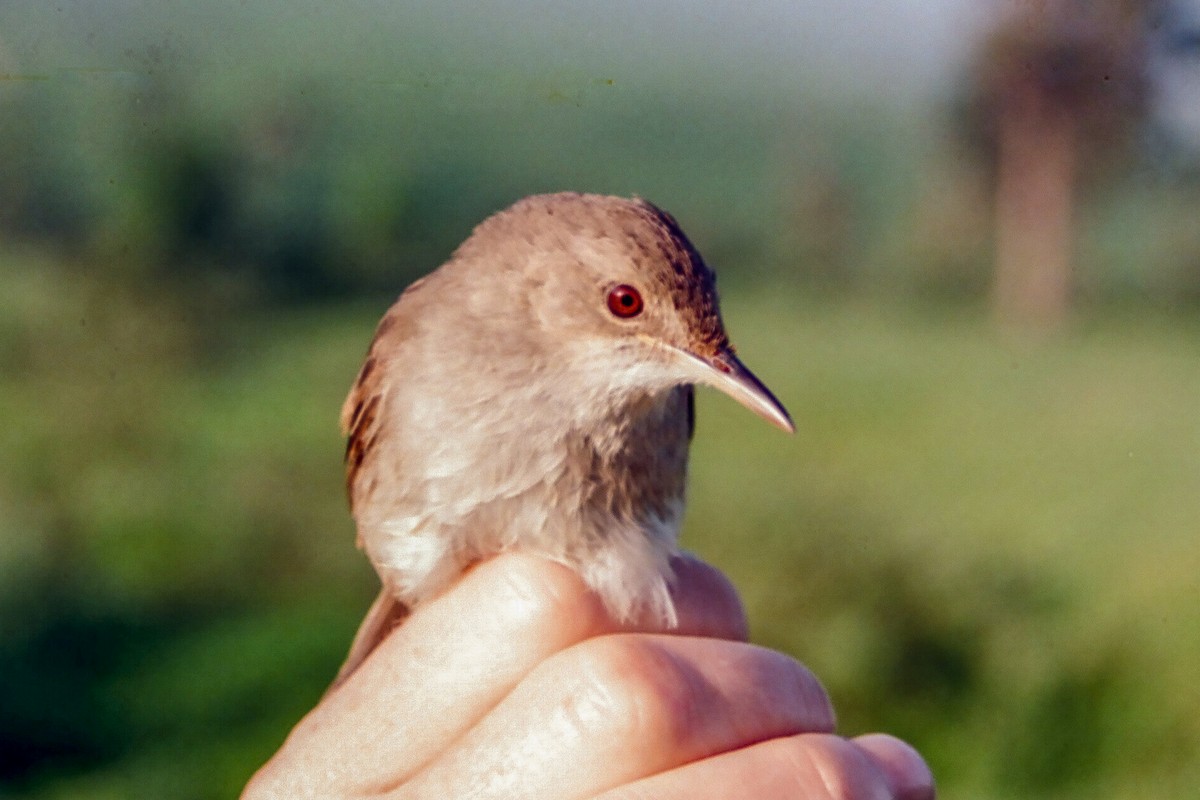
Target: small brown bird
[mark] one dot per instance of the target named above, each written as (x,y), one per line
(534,393)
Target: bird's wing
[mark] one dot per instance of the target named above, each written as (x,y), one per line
(361,416)
(362,422)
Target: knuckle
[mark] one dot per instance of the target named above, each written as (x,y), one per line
(538,594)
(635,689)
(832,766)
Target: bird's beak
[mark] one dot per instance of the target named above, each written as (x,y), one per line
(725,372)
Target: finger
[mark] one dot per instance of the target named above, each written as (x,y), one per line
(458,655)
(433,677)
(812,766)
(706,601)
(619,708)
(907,773)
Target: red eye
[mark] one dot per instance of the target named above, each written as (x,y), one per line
(624,301)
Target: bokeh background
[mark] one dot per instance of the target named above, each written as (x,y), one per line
(961,239)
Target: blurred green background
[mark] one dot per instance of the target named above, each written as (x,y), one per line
(982,537)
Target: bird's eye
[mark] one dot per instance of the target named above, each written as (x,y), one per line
(624,301)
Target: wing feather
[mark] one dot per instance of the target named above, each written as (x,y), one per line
(361,422)
(361,417)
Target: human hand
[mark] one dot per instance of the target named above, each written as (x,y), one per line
(517,684)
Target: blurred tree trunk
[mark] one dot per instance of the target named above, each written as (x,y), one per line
(1056,90)
(1037,143)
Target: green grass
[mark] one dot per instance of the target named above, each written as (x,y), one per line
(983,544)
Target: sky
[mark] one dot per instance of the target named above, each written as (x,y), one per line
(901,50)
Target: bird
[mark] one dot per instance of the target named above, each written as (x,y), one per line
(535,393)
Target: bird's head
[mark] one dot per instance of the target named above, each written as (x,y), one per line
(616,284)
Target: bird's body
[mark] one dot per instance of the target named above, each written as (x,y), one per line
(535,393)
(476,471)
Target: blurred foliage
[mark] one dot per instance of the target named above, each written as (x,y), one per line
(998,530)
(984,545)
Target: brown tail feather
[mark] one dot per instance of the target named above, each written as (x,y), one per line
(382,617)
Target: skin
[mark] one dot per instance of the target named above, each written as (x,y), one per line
(517,683)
